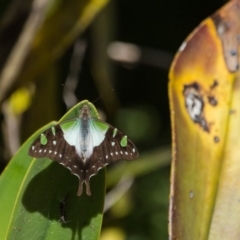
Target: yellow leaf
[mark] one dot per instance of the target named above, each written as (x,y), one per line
(204,98)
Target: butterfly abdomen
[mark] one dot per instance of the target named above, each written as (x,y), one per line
(84,137)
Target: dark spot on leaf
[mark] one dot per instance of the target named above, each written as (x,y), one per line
(212,100)
(232,111)
(195,105)
(215,84)
(203,124)
(237,67)
(233,52)
(216,139)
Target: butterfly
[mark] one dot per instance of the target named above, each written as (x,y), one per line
(84,145)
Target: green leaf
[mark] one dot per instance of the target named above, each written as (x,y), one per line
(30,194)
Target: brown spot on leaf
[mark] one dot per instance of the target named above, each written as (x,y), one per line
(195,104)
(232,111)
(214,85)
(212,100)
(228,28)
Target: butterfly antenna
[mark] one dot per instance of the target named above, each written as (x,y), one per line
(111,89)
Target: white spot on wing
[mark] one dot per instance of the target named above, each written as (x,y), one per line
(112,143)
(54,142)
(55,152)
(126,153)
(50,151)
(111,154)
(40,150)
(116,153)
(33,147)
(106,156)
(60,155)
(133,150)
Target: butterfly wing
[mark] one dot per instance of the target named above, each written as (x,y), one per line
(104,144)
(52,144)
(115,146)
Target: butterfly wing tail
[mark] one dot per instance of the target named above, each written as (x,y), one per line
(88,190)
(80,188)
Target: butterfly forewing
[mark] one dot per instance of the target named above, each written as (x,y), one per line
(52,144)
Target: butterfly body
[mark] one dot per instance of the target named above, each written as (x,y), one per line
(83,145)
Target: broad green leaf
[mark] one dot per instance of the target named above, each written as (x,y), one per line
(204,100)
(31,191)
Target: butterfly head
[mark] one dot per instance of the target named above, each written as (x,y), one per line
(85,112)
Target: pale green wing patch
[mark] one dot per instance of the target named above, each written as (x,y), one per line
(124,141)
(115,132)
(53,131)
(98,130)
(43,139)
(71,130)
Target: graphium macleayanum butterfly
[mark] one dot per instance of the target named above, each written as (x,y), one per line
(83,144)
